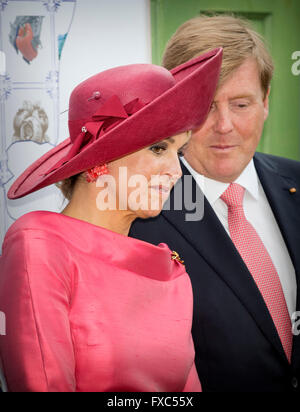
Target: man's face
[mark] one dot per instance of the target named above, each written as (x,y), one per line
(225,144)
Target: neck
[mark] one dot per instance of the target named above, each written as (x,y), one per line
(83,207)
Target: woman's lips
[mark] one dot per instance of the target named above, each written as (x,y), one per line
(161,189)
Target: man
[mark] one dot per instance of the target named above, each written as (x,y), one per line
(243,255)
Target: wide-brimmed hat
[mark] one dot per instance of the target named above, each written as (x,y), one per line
(123,110)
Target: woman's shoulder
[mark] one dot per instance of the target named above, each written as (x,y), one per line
(42,226)
(32,250)
(32,222)
(55,231)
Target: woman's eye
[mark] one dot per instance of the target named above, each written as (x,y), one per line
(157,149)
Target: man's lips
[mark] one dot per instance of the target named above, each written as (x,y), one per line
(222,147)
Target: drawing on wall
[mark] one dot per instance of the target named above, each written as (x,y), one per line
(61,42)
(32,38)
(25,36)
(31,123)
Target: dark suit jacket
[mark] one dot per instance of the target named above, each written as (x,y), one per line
(237,345)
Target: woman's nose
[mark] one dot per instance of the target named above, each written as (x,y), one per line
(175,172)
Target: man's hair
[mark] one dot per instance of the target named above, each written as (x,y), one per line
(235,35)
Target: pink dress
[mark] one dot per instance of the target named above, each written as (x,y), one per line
(89,310)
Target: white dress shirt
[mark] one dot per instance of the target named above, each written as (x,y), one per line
(259,213)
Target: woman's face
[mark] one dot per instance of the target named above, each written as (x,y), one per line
(145,178)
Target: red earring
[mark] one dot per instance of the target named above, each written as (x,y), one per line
(93,174)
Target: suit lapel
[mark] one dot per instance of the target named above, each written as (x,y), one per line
(285,205)
(286,209)
(211,240)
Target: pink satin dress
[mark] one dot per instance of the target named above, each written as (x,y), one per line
(89,310)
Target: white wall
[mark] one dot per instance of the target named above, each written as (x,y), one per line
(103,34)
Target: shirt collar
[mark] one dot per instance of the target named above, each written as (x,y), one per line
(213,189)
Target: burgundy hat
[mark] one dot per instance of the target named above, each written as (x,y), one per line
(123,110)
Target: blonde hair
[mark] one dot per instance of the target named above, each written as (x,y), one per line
(235,35)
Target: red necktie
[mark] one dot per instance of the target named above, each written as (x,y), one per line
(259,263)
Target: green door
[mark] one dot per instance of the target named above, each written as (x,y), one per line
(279,22)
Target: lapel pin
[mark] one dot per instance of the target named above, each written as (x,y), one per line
(175,256)
(293,190)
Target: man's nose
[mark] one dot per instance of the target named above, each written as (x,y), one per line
(222,121)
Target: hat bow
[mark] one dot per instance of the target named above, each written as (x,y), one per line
(108,116)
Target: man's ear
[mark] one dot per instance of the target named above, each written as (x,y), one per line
(266,104)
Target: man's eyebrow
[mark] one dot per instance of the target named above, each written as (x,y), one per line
(239,96)
(242,96)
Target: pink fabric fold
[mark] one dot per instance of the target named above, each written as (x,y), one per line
(89,310)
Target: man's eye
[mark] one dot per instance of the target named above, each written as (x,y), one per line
(241,105)
(181,153)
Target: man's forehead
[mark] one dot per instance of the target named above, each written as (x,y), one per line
(242,81)
(234,96)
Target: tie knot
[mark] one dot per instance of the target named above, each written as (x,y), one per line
(234,195)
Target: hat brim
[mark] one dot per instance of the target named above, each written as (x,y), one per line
(193,93)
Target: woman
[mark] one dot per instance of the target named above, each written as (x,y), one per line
(88,308)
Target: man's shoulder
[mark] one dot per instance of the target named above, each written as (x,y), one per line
(282,165)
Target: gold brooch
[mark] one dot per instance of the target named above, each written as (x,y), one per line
(175,256)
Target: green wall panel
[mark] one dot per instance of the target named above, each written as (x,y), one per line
(279,22)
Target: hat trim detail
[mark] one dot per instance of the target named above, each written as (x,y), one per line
(108,116)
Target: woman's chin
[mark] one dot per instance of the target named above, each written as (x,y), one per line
(155,203)
(148,214)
